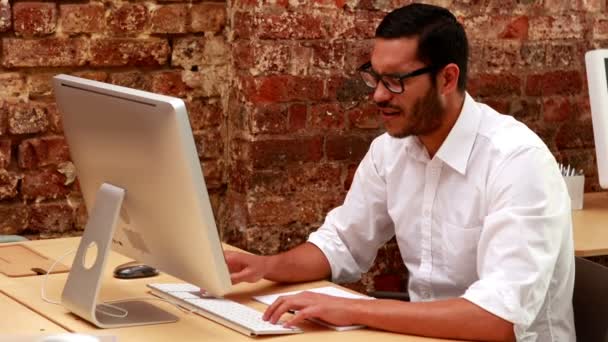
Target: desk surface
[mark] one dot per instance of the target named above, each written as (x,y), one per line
(591,225)
(190,327)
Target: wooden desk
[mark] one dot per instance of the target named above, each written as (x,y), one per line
(190,327)
(591,225)
(18,319)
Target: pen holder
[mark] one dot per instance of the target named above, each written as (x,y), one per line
(576,189)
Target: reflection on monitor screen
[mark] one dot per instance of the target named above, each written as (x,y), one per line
(141,180)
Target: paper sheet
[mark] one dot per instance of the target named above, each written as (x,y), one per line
(328,290)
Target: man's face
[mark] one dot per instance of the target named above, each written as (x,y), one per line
(418,110)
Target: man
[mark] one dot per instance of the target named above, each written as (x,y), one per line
(475,199)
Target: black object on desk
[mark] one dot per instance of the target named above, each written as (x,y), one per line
(134,270)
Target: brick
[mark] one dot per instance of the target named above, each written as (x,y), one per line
(213,171)
(557,109)
(283,89)
(5,16)
(272,58)
(169,83)
(364,116)
(346,147)
(40,84)
(193,53)
(271,153)
(327,117)
(565,55)
(43,184)
(533,55)
(169,18)
(47,52)
(362,26)
(517,28)
(12,84)
(208,17)
(487,26)
(310,177)
(51,217)
(554,83)
(5,108)
(575,134)
(495,85)
(243,23)
(82,18)
(214,81)
(204,113)
(129,52)
(131,79)
(5,153)
(243,55)
(298,114)
(499,104)
(13,218)
(38,152)
(209,144)
(8,184)
(128,20)
(269,119)
(291,26)
(501,56)
(54,117)
(347,89)
(358,53)
(573,5)
(99,76)
(27,117)
(600,27)
(557,27)
(34,18)
(527,110)
(328,55)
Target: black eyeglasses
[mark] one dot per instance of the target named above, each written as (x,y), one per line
(394,82)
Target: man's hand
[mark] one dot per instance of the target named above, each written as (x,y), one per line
(333,310)
(246,267)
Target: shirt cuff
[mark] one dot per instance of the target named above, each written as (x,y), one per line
(344,269)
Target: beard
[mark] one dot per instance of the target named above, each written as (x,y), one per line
(425,117)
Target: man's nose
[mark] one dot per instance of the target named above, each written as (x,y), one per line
(381,94)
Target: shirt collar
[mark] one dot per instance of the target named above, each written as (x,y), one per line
(456,148)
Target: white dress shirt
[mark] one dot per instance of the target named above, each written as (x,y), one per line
(486,219)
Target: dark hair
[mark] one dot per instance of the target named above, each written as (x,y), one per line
(441,38)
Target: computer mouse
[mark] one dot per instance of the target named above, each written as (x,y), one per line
(134,271)
(69,338)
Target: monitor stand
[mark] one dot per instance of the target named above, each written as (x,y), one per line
(84,281)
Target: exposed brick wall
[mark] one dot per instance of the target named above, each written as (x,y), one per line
(168,47)
(279,118)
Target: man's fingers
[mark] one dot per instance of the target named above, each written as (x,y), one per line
(309,312)
(245,274)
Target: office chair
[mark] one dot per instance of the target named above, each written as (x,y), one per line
(590,301)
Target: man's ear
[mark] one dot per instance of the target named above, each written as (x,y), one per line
(447,79)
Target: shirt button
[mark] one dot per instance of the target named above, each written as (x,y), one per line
(427,213)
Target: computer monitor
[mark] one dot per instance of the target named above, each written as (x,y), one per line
(142,184)
(596,62)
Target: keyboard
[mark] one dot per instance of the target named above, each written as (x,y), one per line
(227,312)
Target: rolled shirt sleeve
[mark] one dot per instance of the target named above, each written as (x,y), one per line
(353,232)
(523,237)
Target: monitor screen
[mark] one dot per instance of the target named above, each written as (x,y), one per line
(596,63)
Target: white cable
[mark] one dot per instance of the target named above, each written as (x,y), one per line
(106,304)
